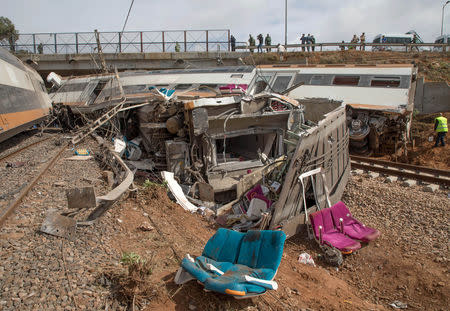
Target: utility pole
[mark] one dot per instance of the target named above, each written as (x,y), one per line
(285,22)
(442,21)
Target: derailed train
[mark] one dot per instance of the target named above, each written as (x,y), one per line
(23,97)
(364,107)
(379,99)
(246,121)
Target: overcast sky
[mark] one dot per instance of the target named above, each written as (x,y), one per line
(328,20)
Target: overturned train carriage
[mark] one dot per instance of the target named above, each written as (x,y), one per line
(292,119)
(379,98)
(91,93)
(23,98)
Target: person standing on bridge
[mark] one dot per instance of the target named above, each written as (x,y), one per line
(303,40)
(441,128)
(233,43)
(251,43)
(260,42)
(362,38)
(308,42)
(268,42)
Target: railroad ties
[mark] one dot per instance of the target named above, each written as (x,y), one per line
(409,173)
(34,177)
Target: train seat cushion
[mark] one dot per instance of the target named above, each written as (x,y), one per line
(330,234)
(230,257)
(350,225)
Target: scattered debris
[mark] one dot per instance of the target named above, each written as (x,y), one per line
(80,198)
(176,190)
(58,225)
(80,158)
(15,164)
(306,259)
(398,305)
(237,151)
(146,226)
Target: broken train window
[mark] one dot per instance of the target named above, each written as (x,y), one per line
(281,83)
(346,80)
(385,81)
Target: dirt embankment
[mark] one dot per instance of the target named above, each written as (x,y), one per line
(434,66)
(405,264)
(422,151)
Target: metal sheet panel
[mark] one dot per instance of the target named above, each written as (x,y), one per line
(326,146)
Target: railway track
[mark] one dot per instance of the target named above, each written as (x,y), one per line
(4,213)
(408,171)
(6,156)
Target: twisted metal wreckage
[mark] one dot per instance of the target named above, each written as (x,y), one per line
(237,156)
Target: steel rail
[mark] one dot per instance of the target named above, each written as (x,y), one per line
(411,167)
(423,175)
(7,211)
(23,148)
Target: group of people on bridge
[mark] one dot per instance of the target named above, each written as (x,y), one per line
(267,41)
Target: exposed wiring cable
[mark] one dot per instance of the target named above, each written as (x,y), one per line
(126,20)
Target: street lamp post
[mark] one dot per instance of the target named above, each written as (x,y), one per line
(285,22)
(442,21)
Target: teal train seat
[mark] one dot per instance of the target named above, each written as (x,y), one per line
(238,264)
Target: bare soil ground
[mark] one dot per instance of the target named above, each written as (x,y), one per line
(408,263)
(38,271)
(423,152)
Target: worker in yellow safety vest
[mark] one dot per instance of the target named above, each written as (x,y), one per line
(441,128)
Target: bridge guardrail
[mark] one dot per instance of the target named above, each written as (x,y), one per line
(357,46)
(165,41)
(126,42)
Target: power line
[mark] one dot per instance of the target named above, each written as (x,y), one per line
(126,20)
(125,24)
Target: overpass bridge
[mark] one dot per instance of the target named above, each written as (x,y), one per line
(77,52)
(76,64)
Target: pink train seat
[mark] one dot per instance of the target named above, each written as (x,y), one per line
(326,233)
(350,226)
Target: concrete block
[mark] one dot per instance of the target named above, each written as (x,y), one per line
(391,179)
(374,175)
(431,188)
(409,183)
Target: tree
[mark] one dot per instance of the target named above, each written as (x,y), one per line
(8,32)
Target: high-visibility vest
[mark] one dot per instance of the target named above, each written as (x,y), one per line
(442,124)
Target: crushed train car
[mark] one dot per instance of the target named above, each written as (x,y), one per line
(379,98)
(223,131)
(220,146)
(23,97)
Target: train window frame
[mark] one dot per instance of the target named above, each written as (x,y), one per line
(265,78)
(319,80)
(389,82)
(346,80)
(285,84)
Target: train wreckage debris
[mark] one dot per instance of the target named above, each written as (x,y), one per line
(234,141)
(235,155)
